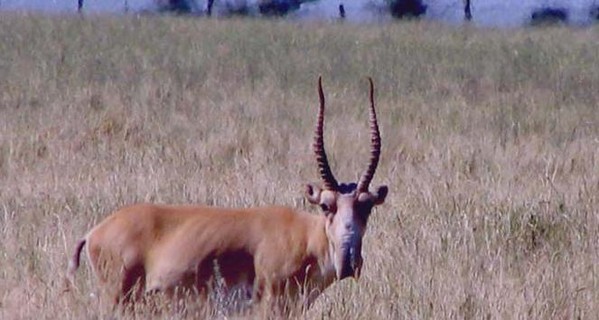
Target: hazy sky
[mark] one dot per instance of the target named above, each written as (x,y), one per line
(485,12)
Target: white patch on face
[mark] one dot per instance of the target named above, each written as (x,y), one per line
(346,236)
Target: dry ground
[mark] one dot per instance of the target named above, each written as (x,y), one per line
(490,148)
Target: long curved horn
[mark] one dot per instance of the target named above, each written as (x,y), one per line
(375,145)
(330,183)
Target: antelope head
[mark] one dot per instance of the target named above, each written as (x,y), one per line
(346,206)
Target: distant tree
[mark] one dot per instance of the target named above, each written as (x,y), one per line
(467,10)
(209,5)
(278,7)
(595,12)
(229,8)
(175,6)
(406,8)
(548,15)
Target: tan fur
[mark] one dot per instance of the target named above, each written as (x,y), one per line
(164,247)
(270,250)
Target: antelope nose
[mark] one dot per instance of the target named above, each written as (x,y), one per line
(356,262)
(345,272)
(352,264)
(349,271)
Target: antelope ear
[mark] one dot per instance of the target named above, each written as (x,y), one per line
(312,193)
(380,194)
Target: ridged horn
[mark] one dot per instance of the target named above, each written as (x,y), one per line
(330,183)
(375,145)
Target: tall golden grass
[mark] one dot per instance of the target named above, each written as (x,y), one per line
(490,148)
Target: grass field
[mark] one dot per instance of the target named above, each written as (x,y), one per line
(490,149)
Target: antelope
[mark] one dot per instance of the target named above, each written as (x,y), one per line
(271,250)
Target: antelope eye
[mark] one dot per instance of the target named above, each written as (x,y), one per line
(324,207)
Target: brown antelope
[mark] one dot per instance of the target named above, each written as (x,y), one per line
(270,250)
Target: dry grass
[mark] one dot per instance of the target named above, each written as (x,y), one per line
(491,150)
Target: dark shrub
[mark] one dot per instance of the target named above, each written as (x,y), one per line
(278,7)
(406,8)
(547,15)
(595,12)
(175,6)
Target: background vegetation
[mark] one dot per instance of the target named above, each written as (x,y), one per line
(490,148)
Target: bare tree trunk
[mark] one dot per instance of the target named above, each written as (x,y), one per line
(467,10)
(209,7)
